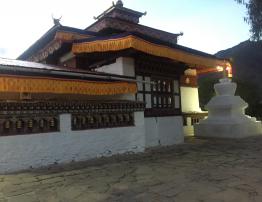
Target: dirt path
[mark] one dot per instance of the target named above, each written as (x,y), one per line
(200,170)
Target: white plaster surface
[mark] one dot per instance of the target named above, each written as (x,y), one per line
(226,117)
(177,101)
(140,97)
(189,99)
(37,150)
(147,84)
(229,130)
(188,130)
(148,101)
(163,131)
(176,86)
(123,66)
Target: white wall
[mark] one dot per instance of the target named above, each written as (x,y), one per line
(164,131)
(36,150)
(189,99)
(123,66)
(188,130)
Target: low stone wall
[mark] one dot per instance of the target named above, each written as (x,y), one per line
(190,119)
(163,131)
(20,152)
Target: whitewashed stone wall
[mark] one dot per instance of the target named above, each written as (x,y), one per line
(164,131)
(189,99)
(189,128)
(123,66)
(37,150)
(190,103)
(159,130)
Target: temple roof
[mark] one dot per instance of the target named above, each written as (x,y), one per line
(115,30)
(147,38)
(109,25)
(116,19)
(149,46)
(19,67)
(19,76)
(117,10)
(50,35)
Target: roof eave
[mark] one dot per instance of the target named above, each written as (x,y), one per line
(48,37)
(31,49)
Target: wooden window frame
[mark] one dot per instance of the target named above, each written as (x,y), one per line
(158,110)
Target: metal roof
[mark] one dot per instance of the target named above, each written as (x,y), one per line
(18,67)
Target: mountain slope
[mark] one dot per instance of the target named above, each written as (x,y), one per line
(247,73)
(247,62)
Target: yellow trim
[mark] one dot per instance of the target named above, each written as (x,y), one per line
(146,47)
(19,84)
(207,70)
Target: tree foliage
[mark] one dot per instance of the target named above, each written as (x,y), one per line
(254,17)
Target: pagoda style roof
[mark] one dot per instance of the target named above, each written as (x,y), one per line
(57,33)
(30,77)
(151,46)
(116,31)
(57,40)
(115,25)
(119,11)
(118,19)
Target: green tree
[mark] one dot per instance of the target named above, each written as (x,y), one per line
(254,17)
(206,90)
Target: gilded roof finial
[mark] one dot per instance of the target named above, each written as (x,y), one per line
(119,3)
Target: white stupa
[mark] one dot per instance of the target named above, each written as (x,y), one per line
(226,115)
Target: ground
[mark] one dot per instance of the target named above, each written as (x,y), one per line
(211,170)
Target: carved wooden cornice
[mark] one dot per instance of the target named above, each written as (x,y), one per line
(60,38)
(45,52)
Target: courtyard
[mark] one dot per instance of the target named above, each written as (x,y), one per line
(199,170)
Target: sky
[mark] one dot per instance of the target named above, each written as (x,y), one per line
(208,25)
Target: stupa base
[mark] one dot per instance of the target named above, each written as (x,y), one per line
(228,130)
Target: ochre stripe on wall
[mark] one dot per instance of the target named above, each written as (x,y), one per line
(60,86)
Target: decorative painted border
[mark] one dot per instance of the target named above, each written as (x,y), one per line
(20,84)
(116,44)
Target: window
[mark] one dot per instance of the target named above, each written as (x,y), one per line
(144,90)
(159,94)
(165,93)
